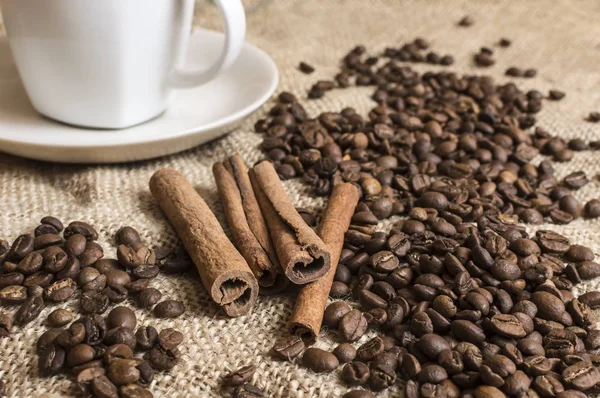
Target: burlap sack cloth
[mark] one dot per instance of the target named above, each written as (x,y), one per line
(559,38)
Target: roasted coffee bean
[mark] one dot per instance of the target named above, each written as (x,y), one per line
(148,297)
(145,271)
(170,338)
(48,238)
(13,294)
(432,374)
(549,306)
(46,339)
(579,253)
(381,378)
(29,310)
(75,245)
(409,366)
(162,358)
(40,278)
(60,291)
(548,385)
(507,325)
(51,360)
(117,351)
(85,378)
(70,270)
(339,290)
(75,334)
(121,335)
(146,337)
(137,286)
(369,350)
(55,259)
(240,376)
(102,387)
(31,263)
(123,372)
(592,208)
(80,354)
(93,303)
(116,294)
(289,347)
(128,236)
(468,331)
(95,328)
(21,247)
(345,352)
(352,326)
(319,360)
(11,278)
(52,221)
(306,68)
(356,373)
(432,345)
(582,375)
(121,317)
(169,309)
(248,391)
(80,227)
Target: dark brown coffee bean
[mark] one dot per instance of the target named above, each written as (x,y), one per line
(356,373)
(60,291)
(121,317)
(21,247)
(11,278)
(549,306)
(352,326)
(137,286)
(102,387)
(319,360)
(116,294)
(289,347)
(334,313)
(117,351)
(582,375)
(128,236)
(29,310)
(80,227)
(93,303)
(432,345)
(345,352)
(123,371)
(381,378)
(162,358)
(148,297)
(488,392)
(358,394)
(60,317)
(468,331)
(146,337)
(80,354)
(170,338)
(45,240)
(55,259)
(51,360)
(169,309)
(306,68)
(145,271)
(46,339)
(507,325)
(239,376)
(592,208)
(579,253)
(121,335)
(31,263)
(75,245)
(71,270)
(432,374)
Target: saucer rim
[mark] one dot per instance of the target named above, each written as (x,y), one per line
(227,122)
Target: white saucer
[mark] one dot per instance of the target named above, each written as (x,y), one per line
(196,116)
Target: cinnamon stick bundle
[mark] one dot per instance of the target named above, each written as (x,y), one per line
(302,254)
(247,224)
(310,303)
(223,270)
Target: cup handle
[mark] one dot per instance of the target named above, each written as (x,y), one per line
(235,32)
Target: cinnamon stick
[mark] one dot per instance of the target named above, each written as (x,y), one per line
(310,303)
(247,224)
(223,270)
(302,254)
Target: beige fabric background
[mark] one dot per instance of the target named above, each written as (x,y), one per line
(561,38)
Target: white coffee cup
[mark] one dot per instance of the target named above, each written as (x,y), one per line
(109,63)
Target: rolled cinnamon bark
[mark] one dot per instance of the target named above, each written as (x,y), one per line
(310,303)
(223,270)
(247,224)
(302,254)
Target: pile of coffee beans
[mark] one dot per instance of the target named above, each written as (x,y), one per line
(465,301)
(46,268)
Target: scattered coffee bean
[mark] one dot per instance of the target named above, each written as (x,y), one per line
(466,21)
(289,347)
(306,68)
(169,309)
(240,376)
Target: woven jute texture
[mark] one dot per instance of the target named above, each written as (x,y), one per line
(561,38)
